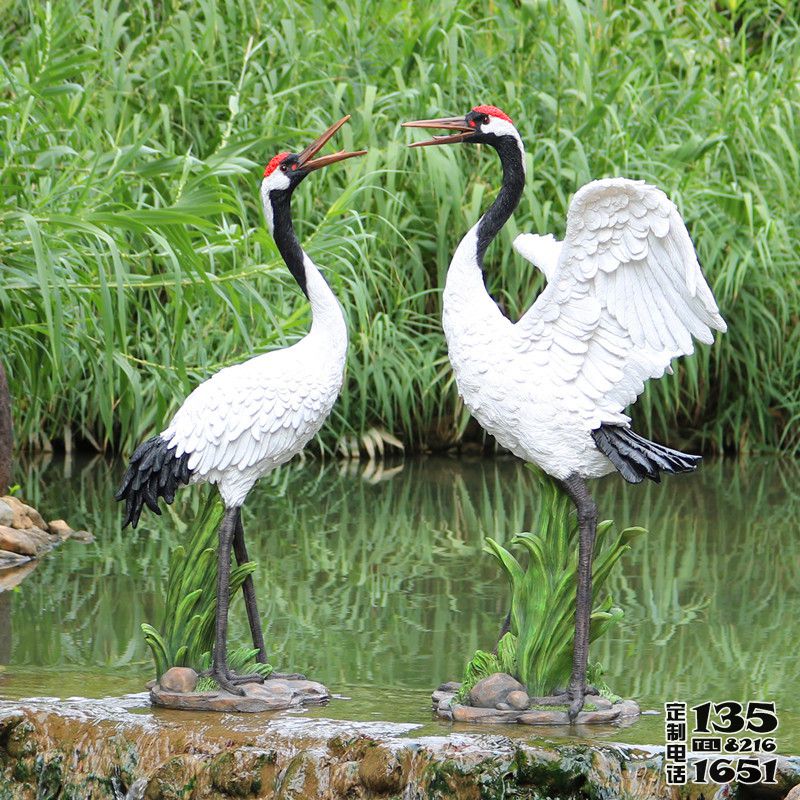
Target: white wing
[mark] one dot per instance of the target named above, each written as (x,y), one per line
(541,251)
(246,414)
(626,297)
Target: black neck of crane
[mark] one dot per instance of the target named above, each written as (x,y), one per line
(509,195)
(285,238)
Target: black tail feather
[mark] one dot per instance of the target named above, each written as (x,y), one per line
(154,472)
(636,458)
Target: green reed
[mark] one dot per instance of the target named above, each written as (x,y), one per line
(134,259)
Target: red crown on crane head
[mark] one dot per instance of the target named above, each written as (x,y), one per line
(493,111)
(274,164)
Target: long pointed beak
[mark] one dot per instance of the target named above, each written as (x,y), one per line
(444,123)
(309,163)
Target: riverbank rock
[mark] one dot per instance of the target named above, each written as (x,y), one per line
(23,532)
(16,541)
(116,748)
(64,532)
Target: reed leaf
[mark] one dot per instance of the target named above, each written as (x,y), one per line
(134,260)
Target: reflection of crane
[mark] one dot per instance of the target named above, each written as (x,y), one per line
(624,296)
(249,418)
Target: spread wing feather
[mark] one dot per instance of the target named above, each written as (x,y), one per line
(626,297)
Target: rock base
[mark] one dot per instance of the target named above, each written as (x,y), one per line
(538,711)
(274,694)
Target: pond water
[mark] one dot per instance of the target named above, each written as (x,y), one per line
(372,580)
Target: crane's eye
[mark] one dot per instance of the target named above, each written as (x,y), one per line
(284,167)
(485,119)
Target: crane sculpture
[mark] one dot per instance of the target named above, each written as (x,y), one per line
(624,296)
(249,418)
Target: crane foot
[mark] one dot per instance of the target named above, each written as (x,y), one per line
(577,695)
(230,682)
(225,683)
(237,680)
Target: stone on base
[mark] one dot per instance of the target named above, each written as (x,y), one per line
(504,713)
(274,694)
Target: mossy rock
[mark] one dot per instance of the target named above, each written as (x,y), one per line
(19,742)
(549,774)
(299,780)
(175,779)
(381,771)
(243,773)
(449,781)
(50,777)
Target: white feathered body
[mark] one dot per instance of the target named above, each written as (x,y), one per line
(250,418)
(625,295)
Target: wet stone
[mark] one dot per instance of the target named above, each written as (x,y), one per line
(381,771)
(8,721)
(300,781)
(488,692)
(173,780)
(241,773)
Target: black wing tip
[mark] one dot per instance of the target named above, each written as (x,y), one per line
(154,472)
(637,458)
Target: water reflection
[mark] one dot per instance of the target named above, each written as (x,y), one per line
(377,578)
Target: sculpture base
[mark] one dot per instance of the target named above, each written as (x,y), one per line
(274,694)
(540,711)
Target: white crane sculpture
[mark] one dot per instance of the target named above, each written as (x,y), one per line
(624,296)
(247,419)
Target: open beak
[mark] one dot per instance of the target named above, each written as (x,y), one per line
(306,159)
(445,123)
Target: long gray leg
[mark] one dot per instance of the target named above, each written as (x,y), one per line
(587,528)
(219,662)
(248,590)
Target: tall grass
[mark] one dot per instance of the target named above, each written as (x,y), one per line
(133,256)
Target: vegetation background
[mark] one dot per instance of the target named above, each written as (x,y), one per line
(133,256)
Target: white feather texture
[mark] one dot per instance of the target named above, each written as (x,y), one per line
(541,251)
(249,418)
(624,297)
